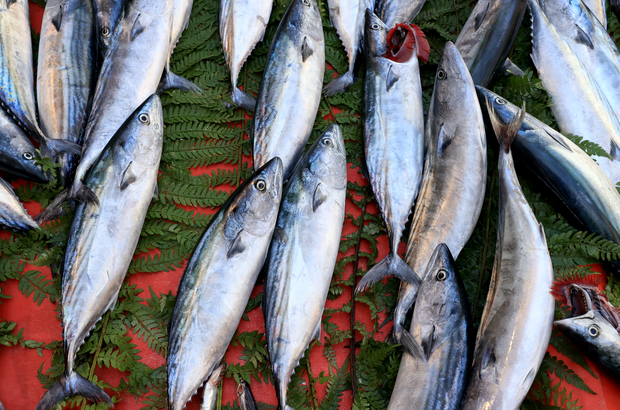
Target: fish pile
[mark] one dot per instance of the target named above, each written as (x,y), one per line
(101,119)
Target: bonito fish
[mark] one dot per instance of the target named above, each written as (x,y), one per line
(290,91)
(103,238)
(66,73)
(517,320)
(590,42)
(245,396)
(441,326)
(454,179)
(393,134)
(347,16)
(242,26)
(12,212)
(17,154)
(393,12)
(108,14)
(303,254)
(579,106)
(487,37)
(217,282)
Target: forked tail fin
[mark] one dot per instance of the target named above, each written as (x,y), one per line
(506,133)
(75,385)
(391,265)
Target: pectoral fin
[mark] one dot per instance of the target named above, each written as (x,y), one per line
(306,50)
(392,78)
(57,18)
(320,195)
(137,28)
(237,246)
(128,177)
(582,37)
(480,17)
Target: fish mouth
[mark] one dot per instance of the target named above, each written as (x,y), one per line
(580,301)
(401,43)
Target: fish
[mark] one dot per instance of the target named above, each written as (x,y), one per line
(574,177)
(347,16)
(245,396)
(242,26)
(598,8)
(12,212)
(128,76)
(590,330)
(589,40)
(209,394)
(102,240)
(290,90)
(182,10)
(218,280)
(303,255)
(18,156)
(455,171)
(393,135)
(516,323)
(487,37)
(17,76)
(578,103)
(66,73)
(441,326)
(393,12)
(108,13)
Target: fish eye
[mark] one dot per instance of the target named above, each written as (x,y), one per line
(375,26)
(441,275)
(593,331)
(500,101)
(260,185)
(143,118)
(441,74)
(327,142)
(306,2)
(105,31)
(28,155)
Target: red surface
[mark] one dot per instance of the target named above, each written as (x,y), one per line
(20,389)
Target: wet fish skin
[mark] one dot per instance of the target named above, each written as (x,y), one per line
(127,78)
(393,12)
(17,154)
(579,106)
(488,35)
(290,91)
(182,10)
(66,74)
(102,239)
(394,143)
(209,394)
(108,15)
(563,167)
(245,396)
(442,327)
(12,212)
(303,254)
(226,261)
(347,16)
(517,320)
(242,26)
(589,40)
(598,9)
(454,173)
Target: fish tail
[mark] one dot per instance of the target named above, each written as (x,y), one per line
(411,346)
(339,85)
(391,265)
(51,148)
(172,81)
(72,385)
(53,209)
(243,100)
(506,133)
(82,193)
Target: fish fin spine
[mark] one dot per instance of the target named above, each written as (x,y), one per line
(73,385)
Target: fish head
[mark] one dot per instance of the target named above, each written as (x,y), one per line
(504,110)
(375,34)
(255,207)
(305,17)
(592,332)
(245,396)
(18,155)
(326,160)
(441,304)
(451,82)
(108,15)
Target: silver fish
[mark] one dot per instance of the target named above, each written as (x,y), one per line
(454,179)
(209,394)
(579,106)
(66,73)
(17,154)
(242,26)
(517,320)
(394,142)
(108,13)
(103,238)
(128,77)
(598,8)
(17,75)
(590,42)
(394,12)
(182,10)
(12,212)
(303,254)
(441,326)
(217,282)
(245,396)
(290,91)
(487,37)
(347,16)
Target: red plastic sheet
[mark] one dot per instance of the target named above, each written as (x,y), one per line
(20,389)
